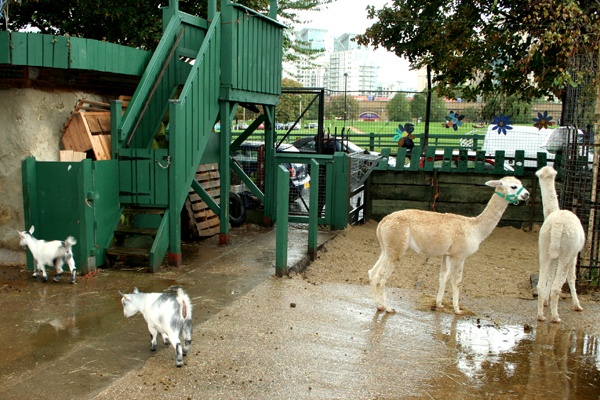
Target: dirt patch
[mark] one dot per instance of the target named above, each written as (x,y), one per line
(501,269)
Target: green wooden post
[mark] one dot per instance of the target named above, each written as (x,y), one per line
(116,114)
(338,176)
(30,199)
(281,227)
(519,165)
(313,212)
(224,172)
(176,172)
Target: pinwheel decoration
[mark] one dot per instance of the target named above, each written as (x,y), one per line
(543,120)
(404,135)
(454,120)
(502,124)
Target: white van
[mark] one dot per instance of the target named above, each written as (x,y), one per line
(528,138)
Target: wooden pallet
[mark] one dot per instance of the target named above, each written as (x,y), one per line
(88,128)
(202,222)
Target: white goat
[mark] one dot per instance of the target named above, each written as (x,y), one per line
(560,240)
(55,253)
(451,236)
(168,313)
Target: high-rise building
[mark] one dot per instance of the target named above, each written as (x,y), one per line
(345,66)
(351,67)
(312,73)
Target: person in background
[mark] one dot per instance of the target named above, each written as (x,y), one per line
(330,144)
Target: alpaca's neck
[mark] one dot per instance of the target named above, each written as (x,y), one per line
(489,218)
(549,197)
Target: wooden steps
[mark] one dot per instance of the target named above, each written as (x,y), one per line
(202,222)
(132,244)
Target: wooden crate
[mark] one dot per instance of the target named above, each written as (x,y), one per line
(70,155)
(88,128)
(202,222)
(89,131)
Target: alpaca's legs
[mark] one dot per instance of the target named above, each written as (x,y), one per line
(571,278)
(543,285)
(378,276)
(444,275)
(456,268)
(559,278)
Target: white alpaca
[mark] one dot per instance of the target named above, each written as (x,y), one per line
(561,239)
(451,236)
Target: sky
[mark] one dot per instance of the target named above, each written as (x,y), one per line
(350,16)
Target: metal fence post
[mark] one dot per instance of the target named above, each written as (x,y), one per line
(313,212)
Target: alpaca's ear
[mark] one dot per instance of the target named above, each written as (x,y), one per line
(495,183)
(31,230)
(135,290)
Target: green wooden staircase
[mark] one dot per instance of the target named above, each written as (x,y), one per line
(185,99)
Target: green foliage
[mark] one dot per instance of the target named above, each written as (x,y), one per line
(398,108)
(418,107)
(342,105)
(288,108)
(518,110)
(491,46)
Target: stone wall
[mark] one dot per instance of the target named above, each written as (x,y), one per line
(30,125)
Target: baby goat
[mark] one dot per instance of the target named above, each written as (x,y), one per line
(55,253)
(168,313)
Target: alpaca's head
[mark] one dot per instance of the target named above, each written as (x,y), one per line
(546,173)
(510,188)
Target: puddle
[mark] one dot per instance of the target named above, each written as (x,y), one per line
(547,361)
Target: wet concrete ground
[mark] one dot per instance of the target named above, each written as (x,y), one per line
(256,336)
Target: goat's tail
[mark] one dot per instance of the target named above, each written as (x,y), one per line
(185,303)
(70,242)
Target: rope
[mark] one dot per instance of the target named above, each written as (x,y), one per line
(435,182)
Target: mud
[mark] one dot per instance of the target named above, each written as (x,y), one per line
(315,334)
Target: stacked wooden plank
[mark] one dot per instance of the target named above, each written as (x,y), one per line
(88,128)
(202,221)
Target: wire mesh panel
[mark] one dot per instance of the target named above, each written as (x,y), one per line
(361,166)
(578,194)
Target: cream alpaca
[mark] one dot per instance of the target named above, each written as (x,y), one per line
(451,236)
(560,240)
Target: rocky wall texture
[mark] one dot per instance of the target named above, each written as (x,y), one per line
(31,121)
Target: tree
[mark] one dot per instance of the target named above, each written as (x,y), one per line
(340,104)
(518,110)
(288,108)
(134,23)
(398,108)
(490,46)
(418,107)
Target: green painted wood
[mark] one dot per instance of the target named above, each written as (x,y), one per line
(19,48)
(61,51)
(281,228)
(253,51)
(35,50)
(5,47)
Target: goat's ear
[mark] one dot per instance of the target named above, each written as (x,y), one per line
(135,290)
(124,296)
(31,230)
(494,183)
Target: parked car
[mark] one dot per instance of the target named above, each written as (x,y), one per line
(528,138)
(248,155)
(308,145)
